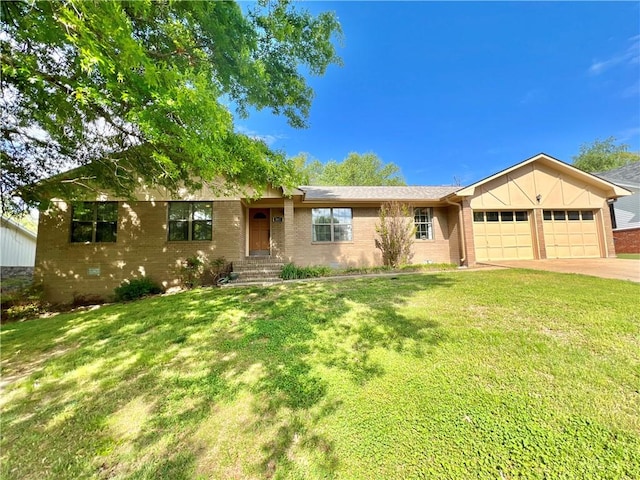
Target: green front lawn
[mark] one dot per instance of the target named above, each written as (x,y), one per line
(489,374)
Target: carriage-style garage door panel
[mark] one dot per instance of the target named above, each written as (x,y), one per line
(504,235)
(570,233)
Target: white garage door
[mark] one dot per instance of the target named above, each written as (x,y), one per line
(504,235)
(570,233)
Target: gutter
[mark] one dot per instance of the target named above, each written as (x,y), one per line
(12,224)
(463,245)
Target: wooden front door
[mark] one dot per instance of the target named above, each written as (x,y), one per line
(259,231)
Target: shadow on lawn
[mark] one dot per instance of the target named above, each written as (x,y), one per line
(132,395)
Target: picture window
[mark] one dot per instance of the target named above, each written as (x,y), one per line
(94,222)
(190,221)
(331,224)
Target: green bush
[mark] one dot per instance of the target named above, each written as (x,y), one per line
(291,271)
(136,288)
(191,272)
(218,269)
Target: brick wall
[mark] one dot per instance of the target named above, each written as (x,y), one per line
(467,225)
(453,219)
(277,233)
(67,269)
(539,245)
(362,250)
(289,229)
(627,241)
(72,269)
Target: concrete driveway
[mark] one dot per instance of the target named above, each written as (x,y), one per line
(621,269)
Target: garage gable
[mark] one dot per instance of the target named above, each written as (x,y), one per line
(537,185)
(540,181)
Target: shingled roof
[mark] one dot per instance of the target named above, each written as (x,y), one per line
(313,193)
(627,176)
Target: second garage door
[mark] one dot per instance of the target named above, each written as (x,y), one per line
(570,233)
(503,235)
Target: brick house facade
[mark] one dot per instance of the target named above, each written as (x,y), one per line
(540,208)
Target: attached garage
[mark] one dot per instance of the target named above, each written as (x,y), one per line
(571,234)
(502,235)
(540,208)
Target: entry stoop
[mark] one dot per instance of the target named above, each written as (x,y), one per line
(258,269)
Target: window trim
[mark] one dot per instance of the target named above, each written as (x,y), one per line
(498,216)
(332,225)
(549,215)
(190,221)
(94,222)
(428,223)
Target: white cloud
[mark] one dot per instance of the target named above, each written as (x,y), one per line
(628,134)
(266,138)
(630,56)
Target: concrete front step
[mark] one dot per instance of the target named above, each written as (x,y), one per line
(258,269)
(259,260)
(242,280)
(259,273)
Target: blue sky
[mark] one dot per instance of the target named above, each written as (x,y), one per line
(464,89)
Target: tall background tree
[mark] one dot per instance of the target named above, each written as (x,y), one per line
(603,155)
(356,169)
(138,91)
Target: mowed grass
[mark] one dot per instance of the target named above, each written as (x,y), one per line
(489,374)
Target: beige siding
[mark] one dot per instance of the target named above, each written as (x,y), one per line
(142,249)
(519,189)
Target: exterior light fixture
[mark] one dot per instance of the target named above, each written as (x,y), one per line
(538,198)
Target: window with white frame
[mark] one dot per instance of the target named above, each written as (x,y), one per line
(423,219)
(190,221)
(94,222)
(331,224)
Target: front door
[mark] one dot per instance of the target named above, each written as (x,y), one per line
(259,231)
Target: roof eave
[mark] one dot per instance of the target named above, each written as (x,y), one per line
(613,190)
(12,223)
(370,200)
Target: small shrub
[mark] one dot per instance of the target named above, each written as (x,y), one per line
(191,272)
(219,268)
(291,271)
(136,288)
(396,232)
(367,270)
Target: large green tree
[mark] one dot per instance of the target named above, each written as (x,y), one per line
(356,169)
(603,155)
(146,91)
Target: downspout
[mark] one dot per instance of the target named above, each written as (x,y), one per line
(463,249)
